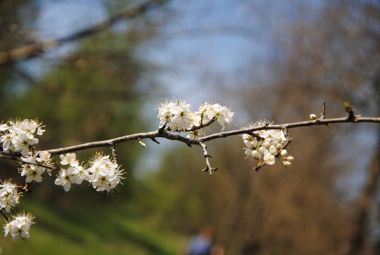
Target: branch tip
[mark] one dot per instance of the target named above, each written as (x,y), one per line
(323,111)
(155,140)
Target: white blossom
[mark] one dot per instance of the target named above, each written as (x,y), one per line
(44,157)
(103,173)
(71,175)
(19,226)
(256,155)
(32,173)
(6,140)
(267,145)
(3,127)
(9,196)
(34,170)
(176,115)
(19,136)
(69,159)
(207,112)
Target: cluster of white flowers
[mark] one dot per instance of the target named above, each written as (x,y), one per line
(266,145)
(19,226)
(19,136)
(208,112)
(34,166)
(178,116)
(73,174)
(9,196)
(103,173)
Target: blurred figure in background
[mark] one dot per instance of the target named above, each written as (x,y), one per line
(202,243)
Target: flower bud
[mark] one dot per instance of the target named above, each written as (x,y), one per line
(255,154)
(286,163)
(289,158)
(284,153)
(313,116)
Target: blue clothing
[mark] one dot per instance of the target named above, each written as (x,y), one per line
(200,245)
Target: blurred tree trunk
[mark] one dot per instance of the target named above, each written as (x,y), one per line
(357,239)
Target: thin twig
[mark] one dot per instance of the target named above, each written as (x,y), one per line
(18,159)
(202,125)
(323,111)
(207,157)
(292,125)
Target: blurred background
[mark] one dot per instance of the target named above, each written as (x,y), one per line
(109,68)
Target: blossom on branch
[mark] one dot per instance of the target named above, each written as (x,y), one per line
(19,226)
(178,117)
(9,196)
(221,113)
(69,159)
(35,165)
(74,174)
(19,136)
(266,145)
(103,173)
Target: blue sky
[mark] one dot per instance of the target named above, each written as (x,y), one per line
(201,38)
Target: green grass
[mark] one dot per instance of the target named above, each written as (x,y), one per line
(77,231)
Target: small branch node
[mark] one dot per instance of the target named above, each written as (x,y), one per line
(323,111)
(351,116)
(114,153)
(161,130)
(207,156)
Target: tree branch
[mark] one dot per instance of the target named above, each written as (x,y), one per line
(307,123)
(37,48)
(163,133)
(15,157)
